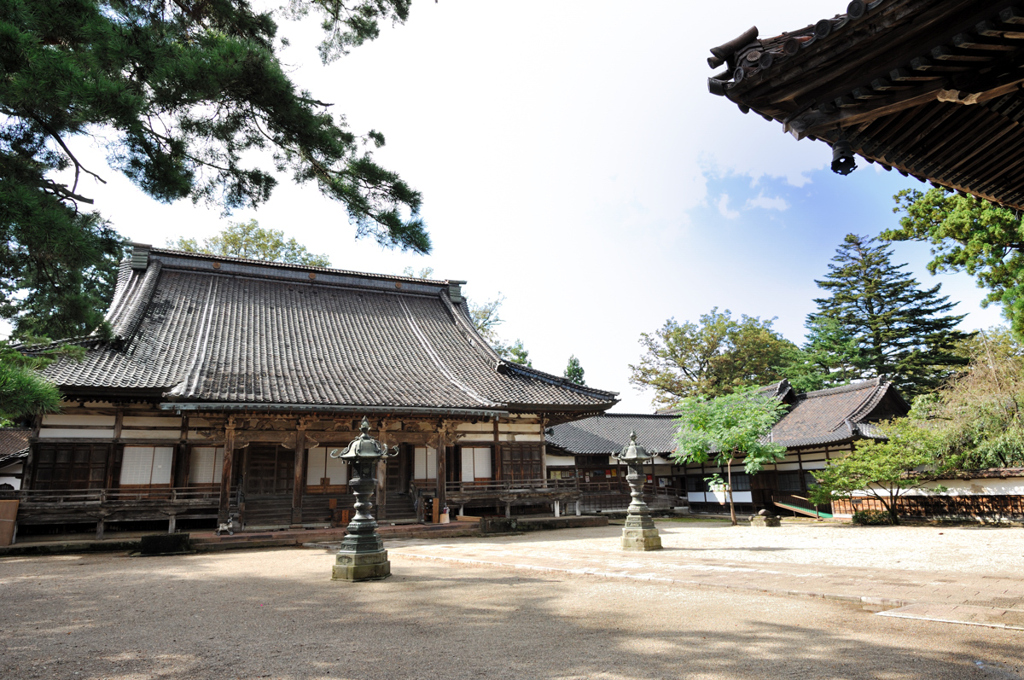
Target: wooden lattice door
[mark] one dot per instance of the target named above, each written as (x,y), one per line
(270,471)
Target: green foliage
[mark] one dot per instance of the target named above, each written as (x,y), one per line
(251,241)
(830,357)
(23,392)
(515,353)
(880,469)
(574,372)
(59,267)
(710,358)
(979,415)
(968,234)
(731,426)
(180,93)
(486,320)
(904,332)
(871,517)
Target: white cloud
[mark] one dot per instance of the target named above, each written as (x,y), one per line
(767,203)
(723,208)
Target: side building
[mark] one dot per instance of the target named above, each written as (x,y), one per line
(579,454)
(819,426)
(228,382)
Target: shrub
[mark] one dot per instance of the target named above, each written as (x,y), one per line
(871,517)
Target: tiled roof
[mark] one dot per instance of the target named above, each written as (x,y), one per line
(610,432)
(831,416)
(203,329)
(990,473)
(13,444)
(838,414)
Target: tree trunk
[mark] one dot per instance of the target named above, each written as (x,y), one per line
(893,507)
(732,506)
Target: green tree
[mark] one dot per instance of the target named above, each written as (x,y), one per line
(709,358)
(879,469)
(978,416)
(180,93)
(830,357)
(486,319)
(968,234)
(905,332)
(574,372)
(727,428)
(23,392)
(515,353)
(56,278)
(251,241)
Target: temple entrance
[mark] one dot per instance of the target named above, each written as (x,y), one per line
(267,484)
(398,502)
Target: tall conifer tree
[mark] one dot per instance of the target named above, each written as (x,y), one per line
(905,332)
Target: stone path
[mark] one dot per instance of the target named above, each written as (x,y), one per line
(697,555)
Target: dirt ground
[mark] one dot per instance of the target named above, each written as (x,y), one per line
(276,614)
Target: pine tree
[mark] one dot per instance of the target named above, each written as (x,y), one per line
(180,93)
(904,332)
(573,371)
(830,356)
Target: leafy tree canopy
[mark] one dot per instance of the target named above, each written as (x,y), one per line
(709,358)
(515,353)
(880,469)
(978,416)
(968,234)
(180,93)
(904,332)
(729,427)
(486,318)
(574,372)
(250,240)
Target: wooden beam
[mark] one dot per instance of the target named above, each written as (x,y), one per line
(816,122)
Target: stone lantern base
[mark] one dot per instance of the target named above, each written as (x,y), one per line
(361,566)
(640,534)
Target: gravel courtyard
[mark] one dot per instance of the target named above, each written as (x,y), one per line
(276,614)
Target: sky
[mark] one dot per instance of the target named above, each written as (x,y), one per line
(571,159)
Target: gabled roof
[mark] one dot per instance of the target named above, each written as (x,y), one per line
(610,432)
(199,331)
(839,414)
(13,444)
(929,87)
(833,416)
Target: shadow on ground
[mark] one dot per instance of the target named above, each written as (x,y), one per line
(275,613)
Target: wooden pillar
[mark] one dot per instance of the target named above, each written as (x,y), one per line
(300,478)
(440,495)
(226,473)
(118,421)
(172,524)
(99,529)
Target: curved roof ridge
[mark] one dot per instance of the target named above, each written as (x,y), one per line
(850,387)
(289,265)
(554,379)
(869,404)
(636,415)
